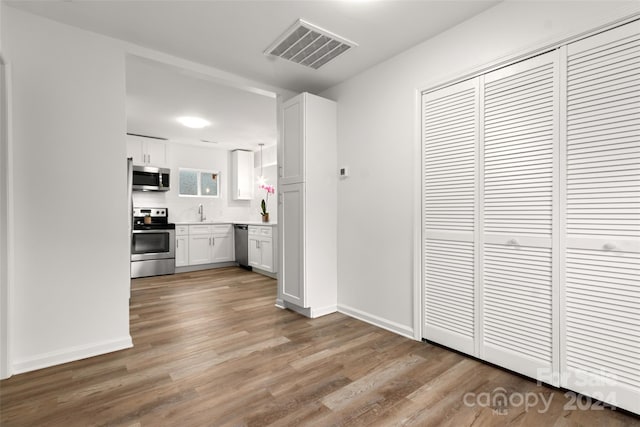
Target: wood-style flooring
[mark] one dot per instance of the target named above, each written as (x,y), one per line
(211,349)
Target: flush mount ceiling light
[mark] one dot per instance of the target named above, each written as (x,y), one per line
(194,122)
(309,45)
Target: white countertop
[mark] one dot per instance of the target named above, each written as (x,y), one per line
(206,222)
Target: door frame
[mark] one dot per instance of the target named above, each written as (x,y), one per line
(6,220)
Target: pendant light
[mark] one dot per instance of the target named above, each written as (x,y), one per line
(261,179)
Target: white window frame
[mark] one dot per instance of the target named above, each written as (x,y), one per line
(199,183)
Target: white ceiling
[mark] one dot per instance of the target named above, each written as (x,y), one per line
(157,94)
(231,36)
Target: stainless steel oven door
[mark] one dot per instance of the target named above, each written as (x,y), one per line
(152,244)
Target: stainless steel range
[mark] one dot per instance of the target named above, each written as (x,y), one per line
(152,243)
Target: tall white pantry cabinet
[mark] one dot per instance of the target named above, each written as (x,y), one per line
(307,193)
(531,216)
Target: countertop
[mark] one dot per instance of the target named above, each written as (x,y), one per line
(206,222)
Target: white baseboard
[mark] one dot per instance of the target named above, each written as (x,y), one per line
(265,273)
(190,268)
(311,313)
(70,354)
(280,303)
(394,327)
(322,311)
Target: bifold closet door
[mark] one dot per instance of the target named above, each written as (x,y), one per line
(449,147)
(601,305)
(519,284)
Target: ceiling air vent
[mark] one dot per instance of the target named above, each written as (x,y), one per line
(309,45)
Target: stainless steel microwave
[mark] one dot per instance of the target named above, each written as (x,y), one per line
(149,178)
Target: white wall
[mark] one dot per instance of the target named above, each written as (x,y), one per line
(71,253)
(270,173)
(71,256)
(377,140)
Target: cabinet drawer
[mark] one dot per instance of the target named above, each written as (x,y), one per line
(182,230)
(221,229)
(256,230)
(199,229)
(266,231)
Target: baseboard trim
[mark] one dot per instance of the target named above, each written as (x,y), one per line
(190,268)
(394,327)
(311,313)
(70,354)
(265,272)
(323,311)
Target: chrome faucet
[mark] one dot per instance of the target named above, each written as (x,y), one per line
(201,212)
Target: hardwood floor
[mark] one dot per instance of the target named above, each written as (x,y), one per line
(212,350)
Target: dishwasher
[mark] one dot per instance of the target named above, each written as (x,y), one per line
(241,236)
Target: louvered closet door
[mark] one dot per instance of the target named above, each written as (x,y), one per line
(449,146)
(519,192)
(601,306)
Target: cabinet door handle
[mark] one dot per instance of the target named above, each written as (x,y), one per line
(149,158)
(257,244)
(513,242)
(177,243)
(213,241)
(609,247)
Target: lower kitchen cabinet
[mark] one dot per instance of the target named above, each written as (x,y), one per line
(182,245)
(261,248)
(222,244)
(210,244)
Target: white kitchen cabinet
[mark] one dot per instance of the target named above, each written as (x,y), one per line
(291,212)
(222,243)
(307,224)
(242,183)
(182,245)
(292,147)
(146,151)
(261,248)
(200,249)
(210,244)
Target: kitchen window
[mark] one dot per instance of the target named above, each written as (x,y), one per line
(199,183)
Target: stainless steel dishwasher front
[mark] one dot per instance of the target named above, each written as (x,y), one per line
(241,236)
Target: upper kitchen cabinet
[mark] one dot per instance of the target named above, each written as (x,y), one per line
(146,151)
(305,118)
(242,175)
